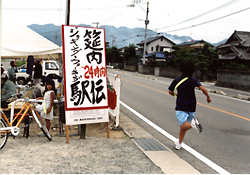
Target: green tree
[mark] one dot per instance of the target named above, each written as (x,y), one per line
(113,55)
(175,58)
(129,55)
(152,60)
(205,60)
(208,59)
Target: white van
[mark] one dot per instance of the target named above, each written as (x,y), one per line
(50,68)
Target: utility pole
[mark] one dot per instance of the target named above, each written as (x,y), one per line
(55,37)
(113,40)
(146,26)
(96,24)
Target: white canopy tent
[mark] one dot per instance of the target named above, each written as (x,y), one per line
(19,40)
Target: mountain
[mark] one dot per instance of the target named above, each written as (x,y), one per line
(119,37)
(219,43)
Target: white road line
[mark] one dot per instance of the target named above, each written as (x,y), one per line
(186,147)
(231,98)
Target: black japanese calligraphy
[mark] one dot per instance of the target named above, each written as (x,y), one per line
(87,67)
(79,92)
(92,41)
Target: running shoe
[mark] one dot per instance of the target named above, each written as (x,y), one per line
(178,145)
(196,125)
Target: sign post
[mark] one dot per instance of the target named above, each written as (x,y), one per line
(85,75)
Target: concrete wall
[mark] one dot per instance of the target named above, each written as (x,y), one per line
(225,78)
(144,69)
(131,68)
(159,71)
(163,71)
(169,72)
(233,79)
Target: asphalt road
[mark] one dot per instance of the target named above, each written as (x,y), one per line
(225,138)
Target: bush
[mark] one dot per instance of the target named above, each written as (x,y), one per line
(237,66)
(160,64)
(132,61)
(20,63)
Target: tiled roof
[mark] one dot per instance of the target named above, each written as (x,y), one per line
(242,36)
(245,37)
(241,53)
(194,42)
(238,42)
(151,39)
(157,54)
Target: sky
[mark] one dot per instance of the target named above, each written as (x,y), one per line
(210,20)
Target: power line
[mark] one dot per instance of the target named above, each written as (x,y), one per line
(98,8)
(61,9)
(203,14)
(208,21)
(131,38)
(116,15)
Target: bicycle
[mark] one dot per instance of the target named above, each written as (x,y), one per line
(27,91)
(7,127)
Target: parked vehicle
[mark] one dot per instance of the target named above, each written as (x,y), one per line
(51,68)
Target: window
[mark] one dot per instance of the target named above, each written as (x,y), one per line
(50,66)
(157,48)
(152,48)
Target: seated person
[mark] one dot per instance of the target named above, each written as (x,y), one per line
(2,69)
(8,88)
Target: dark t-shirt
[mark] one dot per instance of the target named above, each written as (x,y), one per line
(38,72)
(186,100)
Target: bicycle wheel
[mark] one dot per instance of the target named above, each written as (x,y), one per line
(4,135)
(41,125)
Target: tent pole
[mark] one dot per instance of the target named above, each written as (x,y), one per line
(67,12)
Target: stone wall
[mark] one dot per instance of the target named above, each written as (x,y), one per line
(233,79)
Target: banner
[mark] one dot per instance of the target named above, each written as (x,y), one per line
(85,74)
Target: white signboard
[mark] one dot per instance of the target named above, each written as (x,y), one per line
(85,75)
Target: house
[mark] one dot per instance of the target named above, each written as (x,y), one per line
(156,44)
(196,44)
(236,48)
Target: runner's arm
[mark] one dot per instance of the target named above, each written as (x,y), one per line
(171,93)
(205,93)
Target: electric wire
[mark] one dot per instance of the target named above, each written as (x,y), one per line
(124,10)
(203,14)
(115,15)
(141,7)
(208,21)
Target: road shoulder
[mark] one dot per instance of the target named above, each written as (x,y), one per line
(166,159)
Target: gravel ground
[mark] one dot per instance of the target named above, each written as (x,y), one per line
(93,155)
